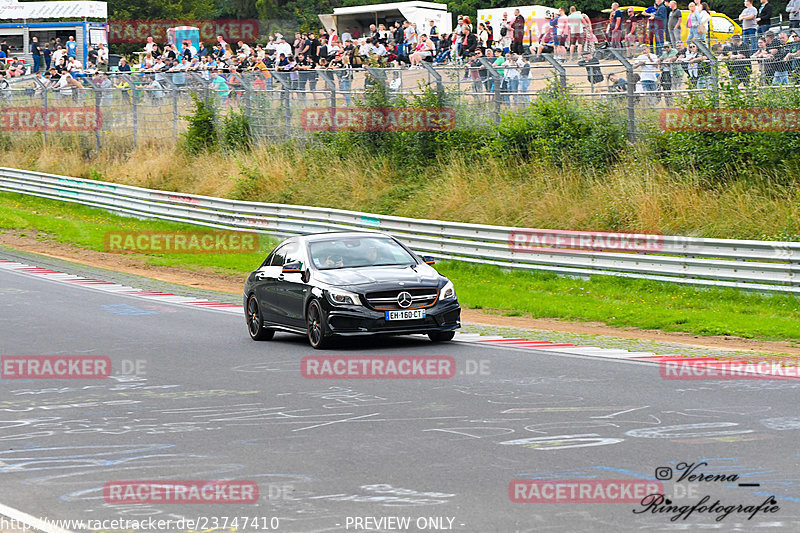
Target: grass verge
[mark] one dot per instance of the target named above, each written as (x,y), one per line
(614,301)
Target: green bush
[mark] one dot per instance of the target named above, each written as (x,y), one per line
(202,132)
(723,156)
(562,131)
(236,133)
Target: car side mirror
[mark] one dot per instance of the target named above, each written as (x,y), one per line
(292,266)
(428,260)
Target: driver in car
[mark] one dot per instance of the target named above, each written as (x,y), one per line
(333,261)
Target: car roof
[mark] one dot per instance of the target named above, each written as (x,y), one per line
(316,237)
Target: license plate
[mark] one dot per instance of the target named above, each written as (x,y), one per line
(413,314)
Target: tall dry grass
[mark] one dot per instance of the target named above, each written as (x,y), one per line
(636,194)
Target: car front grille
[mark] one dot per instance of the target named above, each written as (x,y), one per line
(387,300)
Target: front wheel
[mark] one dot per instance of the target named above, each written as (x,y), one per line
(315,324)
(441,336)
(255,324)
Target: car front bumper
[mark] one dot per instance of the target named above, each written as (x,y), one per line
(359,320)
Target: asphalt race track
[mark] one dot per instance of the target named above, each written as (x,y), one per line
(207,403)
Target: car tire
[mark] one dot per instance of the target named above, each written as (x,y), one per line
(255,323)
(315,326)
(441,336)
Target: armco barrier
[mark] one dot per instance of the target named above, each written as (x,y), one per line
(756,265)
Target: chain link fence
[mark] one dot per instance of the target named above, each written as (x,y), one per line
(139,107)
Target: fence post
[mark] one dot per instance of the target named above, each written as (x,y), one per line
(714,66)
(436,76)
(44,107)
(497,80)
(630,93)
(560,70)
(175,113)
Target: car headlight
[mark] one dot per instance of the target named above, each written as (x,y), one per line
(448,292)
(338,297)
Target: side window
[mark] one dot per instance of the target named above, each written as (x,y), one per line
(279,256)
(293,253)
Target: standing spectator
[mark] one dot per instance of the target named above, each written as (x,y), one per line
(736,53)
(4,47)
(36,52)
(483,37)
(47,55)
(763,56)
(505,34)
(660,24)
(511,76)
(793,8)
(518,25)
(692,22)
(630,33)
(409,38)
(648,62)
(563,34)
(615,26)
(433,32)
(691,59)
(72,47)
(703,18)
(780,67)
(747,18)
(666,60)
(490,31)
(674,24)
(58,53)
(575,20)
(764,18)
(477,72)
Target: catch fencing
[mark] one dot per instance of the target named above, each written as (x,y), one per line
(146,107)
(747,264)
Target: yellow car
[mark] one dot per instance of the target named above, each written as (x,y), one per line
(722,27)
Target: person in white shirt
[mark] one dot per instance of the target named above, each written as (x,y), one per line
(379,50)
(283,47)
(649,64)
(57,55)
(102,54)
(73,65)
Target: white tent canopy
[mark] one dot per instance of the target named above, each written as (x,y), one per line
(358,18)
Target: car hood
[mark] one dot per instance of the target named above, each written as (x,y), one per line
(381,277)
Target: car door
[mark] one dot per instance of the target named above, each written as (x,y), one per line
(291,290)
(266,281)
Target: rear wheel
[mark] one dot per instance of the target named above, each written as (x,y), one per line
(441,336)
(315,324)
(255,324)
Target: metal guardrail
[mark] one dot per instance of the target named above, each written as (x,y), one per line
(755,265)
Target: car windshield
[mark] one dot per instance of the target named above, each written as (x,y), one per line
(356,252)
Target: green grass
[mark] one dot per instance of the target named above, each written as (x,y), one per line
(622,302)
(86,227)
(615,301)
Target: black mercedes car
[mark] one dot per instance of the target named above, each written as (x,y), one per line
(348,283)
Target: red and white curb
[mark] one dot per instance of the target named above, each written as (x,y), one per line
(107,286)
(593,351)
(115,288)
